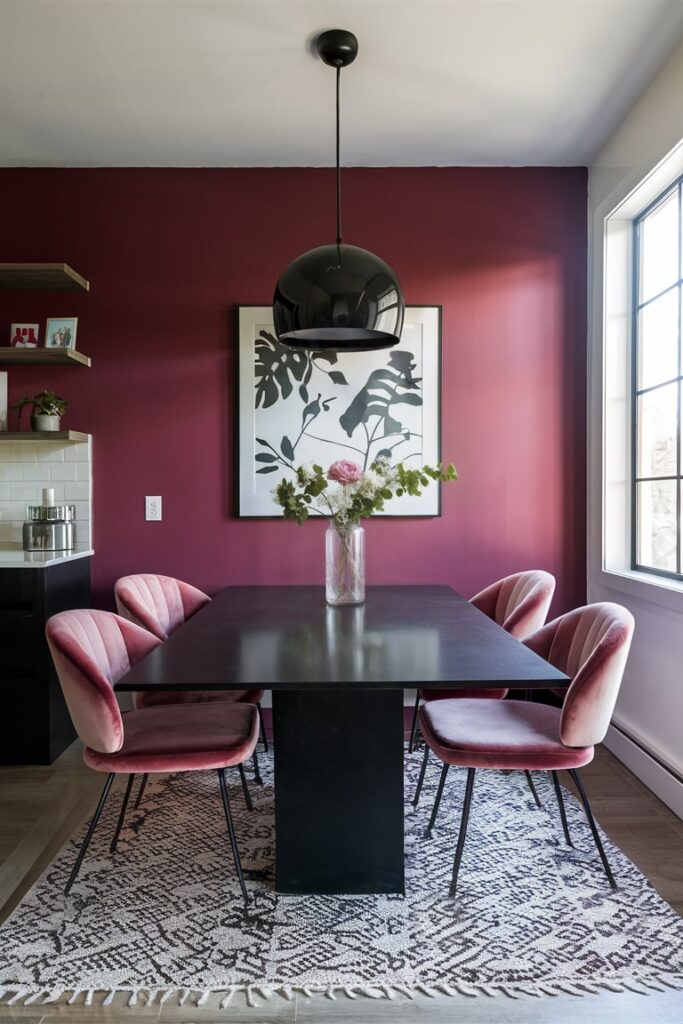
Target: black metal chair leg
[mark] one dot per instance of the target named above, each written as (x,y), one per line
(231,833)
(560,804)
(247,794)
(124,805)
(257,774)
(530,783)
(262,726)
(435,809)
(140,791)
(421,779)
(594,829)
(413,727)
(89,834)
(463,830)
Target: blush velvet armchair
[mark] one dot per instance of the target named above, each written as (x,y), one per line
(519,603)
(161,604)
(91,651)
(590,645)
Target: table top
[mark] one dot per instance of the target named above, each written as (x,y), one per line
(288,638)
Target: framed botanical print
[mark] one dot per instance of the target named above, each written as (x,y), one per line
(299,407)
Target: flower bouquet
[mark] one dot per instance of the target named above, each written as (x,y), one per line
(358,495)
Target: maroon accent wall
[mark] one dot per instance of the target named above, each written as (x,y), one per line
(170,253)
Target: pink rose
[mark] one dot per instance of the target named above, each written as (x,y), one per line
(344,472)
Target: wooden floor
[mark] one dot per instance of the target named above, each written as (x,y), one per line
(41,806)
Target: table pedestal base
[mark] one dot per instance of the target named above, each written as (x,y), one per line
(338,791)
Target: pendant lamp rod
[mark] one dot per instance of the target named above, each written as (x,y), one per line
(338,298)
(339,231)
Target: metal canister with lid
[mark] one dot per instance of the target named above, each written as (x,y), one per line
(49,527)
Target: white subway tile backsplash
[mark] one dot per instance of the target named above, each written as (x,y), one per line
(76,492)
(62,471)
(22,452)
(26,468)
(26,493)
(76,452)
(50,453)
(34,471)
(81,509)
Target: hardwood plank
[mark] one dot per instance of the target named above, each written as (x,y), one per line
(607,1008)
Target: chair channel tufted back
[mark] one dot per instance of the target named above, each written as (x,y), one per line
(590,645)
(518,603)
(91,651)
(158,603)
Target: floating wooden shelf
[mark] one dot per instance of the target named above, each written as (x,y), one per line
(42,275)
(43,356)
(62,436)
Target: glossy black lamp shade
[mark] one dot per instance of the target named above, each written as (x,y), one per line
(338,297)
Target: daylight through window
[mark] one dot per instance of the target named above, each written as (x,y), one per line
(657,376)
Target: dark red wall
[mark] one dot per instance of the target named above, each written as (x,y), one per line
(170,253)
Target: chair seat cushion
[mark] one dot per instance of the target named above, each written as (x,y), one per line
(181,737)
(155,698)
(499,734)
(492,693)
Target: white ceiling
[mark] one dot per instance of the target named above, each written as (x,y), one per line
(223,83)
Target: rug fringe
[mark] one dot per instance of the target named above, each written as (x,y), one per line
(226,998)
(21,994)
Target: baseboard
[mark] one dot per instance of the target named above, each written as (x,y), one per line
(663,782)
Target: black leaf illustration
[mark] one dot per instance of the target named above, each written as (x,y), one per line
(276,367)
(286,448)
(337,377)
(268,469)
(383,389)
(265,457)
(409,399)
(303,391)
(312,409)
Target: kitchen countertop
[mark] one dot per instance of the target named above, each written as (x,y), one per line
(14,557)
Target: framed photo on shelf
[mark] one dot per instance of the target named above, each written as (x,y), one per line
(296,407)
(24,336)
(61,332)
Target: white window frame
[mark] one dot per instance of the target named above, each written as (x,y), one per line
(610,393)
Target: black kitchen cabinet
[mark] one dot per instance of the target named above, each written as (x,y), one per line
(35,726)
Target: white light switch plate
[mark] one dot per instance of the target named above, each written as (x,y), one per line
(153,508)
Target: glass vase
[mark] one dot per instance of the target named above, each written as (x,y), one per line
(345,565)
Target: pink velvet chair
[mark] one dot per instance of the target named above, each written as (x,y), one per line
(161,604)
(519,604)
(590,645)
(91,651)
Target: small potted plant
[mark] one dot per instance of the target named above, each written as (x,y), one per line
(47,410)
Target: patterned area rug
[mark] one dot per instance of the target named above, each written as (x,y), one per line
(164,918)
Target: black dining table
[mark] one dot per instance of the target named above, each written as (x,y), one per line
(338,677)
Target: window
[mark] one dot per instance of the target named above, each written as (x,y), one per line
(657,383)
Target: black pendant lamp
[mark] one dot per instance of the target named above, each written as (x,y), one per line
(338,296)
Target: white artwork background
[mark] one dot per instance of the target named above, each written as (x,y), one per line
(290,414)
